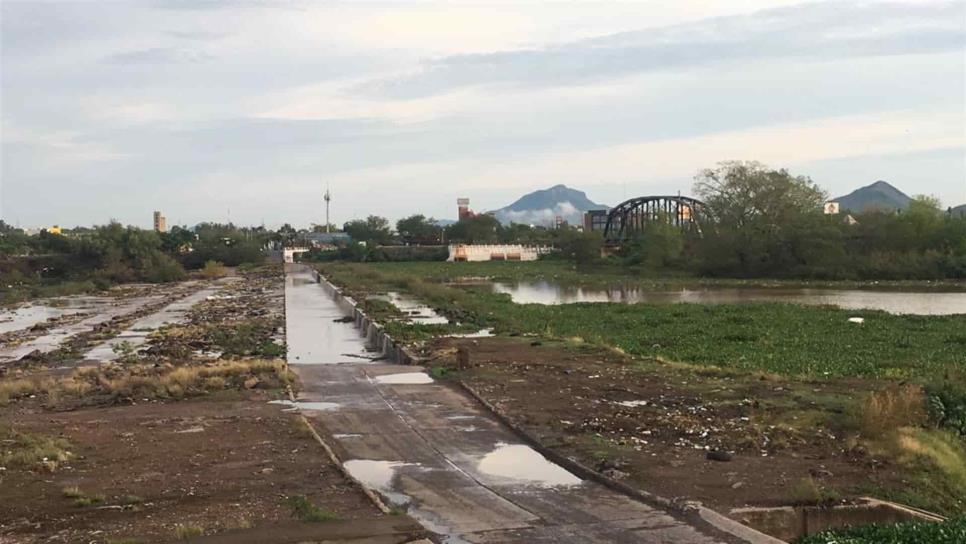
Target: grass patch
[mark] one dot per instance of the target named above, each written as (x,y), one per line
(186,531)
(304,510)
(88,500)
(32,451)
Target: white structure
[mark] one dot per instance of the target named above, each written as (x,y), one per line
(831,208)
(500,252)
(288,254)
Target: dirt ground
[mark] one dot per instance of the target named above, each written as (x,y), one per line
(217,465)
(209,460)
(570,398)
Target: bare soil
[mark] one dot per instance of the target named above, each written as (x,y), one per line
(569,397)
(217,465)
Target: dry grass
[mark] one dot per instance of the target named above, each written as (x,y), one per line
(213,270)
(113,381)
(893,408)
(184,532)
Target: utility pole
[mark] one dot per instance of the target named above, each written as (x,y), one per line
(327,197)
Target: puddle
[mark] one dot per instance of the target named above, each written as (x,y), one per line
(523,463)
(378,476)
(416,312)
(483,333)
(406,378)
(632,403)
(137,334)
(307,405)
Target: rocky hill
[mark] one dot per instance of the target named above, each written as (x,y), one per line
(543,206)
(880,195)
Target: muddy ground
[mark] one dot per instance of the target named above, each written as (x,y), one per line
(215,465)
(673,421)
(197,458)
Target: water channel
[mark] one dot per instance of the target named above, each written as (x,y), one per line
(896,302)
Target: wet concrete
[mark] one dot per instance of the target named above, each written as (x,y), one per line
(409,442)
(416,312)
(137,334)
(312,333)
(24,317)
(896,302)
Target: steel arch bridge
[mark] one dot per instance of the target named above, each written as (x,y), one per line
(630,218)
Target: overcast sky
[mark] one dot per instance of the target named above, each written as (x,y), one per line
(114,109)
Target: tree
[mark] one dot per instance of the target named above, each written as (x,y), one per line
(480,229)
(416,229)
(756,211)
(372,230)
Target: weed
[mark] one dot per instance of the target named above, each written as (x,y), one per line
(303,509)
(126,352)
(892,408)
(88,500)
(186,531)
(302,428)
(952,531)
(439,372)
(130,499)
(214,269)
(72,492)
(32,451)
(807,492)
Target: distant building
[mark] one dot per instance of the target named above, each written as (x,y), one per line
(319,239)
(595,220)
(463,209)
(160,222)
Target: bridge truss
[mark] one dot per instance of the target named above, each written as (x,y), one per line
(630,218)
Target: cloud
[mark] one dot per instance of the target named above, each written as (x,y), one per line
(196,35)
(822,31)
(158,55)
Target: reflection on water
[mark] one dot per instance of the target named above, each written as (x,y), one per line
(314,334)
(405,378)
(928,303)
(523,463)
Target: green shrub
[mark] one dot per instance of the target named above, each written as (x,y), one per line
(949,532)
(303,509)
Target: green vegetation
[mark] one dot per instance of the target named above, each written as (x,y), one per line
(304,510)
(84,260)
(786,339)
(952,531)
(32,451)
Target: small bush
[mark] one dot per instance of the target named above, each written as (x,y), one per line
(303,509)
(73,492)
(892,408)
(32,451)
(946,406)
(214,269)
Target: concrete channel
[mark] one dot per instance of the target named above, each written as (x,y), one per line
(432,450)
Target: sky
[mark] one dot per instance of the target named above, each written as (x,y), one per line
(247,110)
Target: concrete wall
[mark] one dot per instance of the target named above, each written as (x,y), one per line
(487,252)
(289,253)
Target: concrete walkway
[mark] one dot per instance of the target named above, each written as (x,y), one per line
(433,451)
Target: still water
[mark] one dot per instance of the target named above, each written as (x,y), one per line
(896,302)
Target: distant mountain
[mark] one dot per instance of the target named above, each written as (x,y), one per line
(880,195)
(444,222)
(543,206)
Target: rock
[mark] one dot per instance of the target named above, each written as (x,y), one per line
(35,355)
(615,474)
(718,455)
(250,383)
